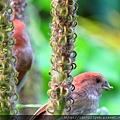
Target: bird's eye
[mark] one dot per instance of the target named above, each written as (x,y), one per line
(97,80)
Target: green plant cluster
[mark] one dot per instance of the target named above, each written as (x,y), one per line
(8,74)
(63,58)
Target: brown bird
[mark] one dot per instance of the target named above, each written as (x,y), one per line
(23,51)
(89,86)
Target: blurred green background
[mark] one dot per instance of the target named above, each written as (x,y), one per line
(97,47)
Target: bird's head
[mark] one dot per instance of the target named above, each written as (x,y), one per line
(92,81)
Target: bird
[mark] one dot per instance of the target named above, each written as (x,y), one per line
(89,86)
(23,52)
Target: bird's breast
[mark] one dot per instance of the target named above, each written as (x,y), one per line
(93,97)
(84,103)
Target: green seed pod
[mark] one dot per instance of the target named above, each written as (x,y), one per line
(8,73)
(63,58)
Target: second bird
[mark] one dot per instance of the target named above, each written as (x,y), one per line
(23,52)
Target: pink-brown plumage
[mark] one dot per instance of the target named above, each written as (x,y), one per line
(23,51)
(88,88)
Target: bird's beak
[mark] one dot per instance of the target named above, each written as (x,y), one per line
(106,86)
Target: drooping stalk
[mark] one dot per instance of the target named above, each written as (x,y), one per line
(8,74)
(63,58)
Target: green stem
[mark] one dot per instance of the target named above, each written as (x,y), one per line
(20,106)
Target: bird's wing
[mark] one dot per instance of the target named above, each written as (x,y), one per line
(22,81)
(40,111)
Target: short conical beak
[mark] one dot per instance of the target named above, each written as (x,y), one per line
(106,86)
